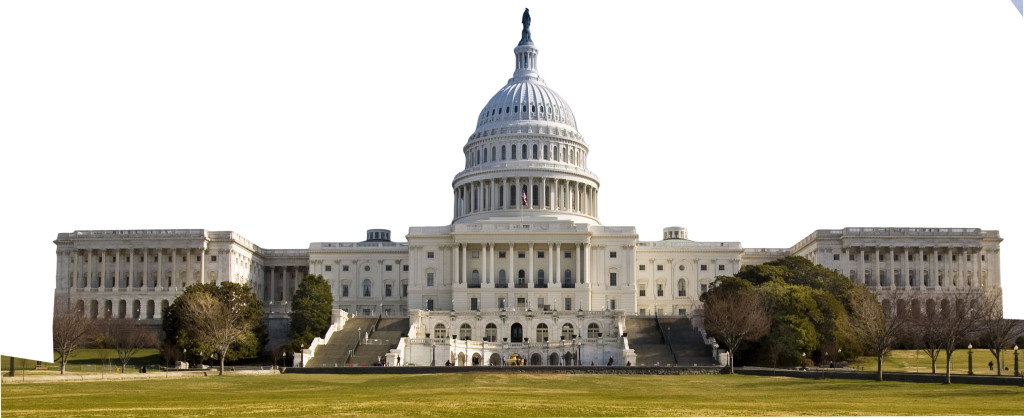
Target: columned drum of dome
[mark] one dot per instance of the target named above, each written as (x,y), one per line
(526,157)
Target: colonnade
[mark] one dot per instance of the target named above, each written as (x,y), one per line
(916,267)
(124,268)
(489,264)
(280,282)
(542,194)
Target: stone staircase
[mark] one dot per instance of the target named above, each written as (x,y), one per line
(382,340)
(334,353)
(652,347)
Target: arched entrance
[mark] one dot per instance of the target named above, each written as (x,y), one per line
(536,359)
(553,359)
(461,360)
(495,360)
(517,333)
(568,358)
(476,359)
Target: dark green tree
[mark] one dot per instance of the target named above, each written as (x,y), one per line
(311,311)
(225,319)
(733,315)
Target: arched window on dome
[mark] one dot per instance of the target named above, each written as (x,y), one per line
(494,151)
(477,157)
(535,153)
(512,196)
(516,108)
(502,153)
(524,151)
(546,156)
(533,108)
(536,195)
(555,152)
(506,109)
(513,152)
(501,196)
(565,155)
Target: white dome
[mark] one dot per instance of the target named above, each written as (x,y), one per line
(526,99)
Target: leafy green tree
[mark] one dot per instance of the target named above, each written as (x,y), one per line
(225,319)
(311,311)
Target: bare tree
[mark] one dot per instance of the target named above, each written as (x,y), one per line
(998,333)
(214,322)
(734,317)
(127,337)
(879,325)
(71,331)
(924,334)
(962,316)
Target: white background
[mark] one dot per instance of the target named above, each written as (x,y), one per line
(296,122)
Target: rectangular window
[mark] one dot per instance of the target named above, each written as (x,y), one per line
(387,290)
(703,288)
(643,290)
(476,254)
(520,303)
(613,254)
(661,267)
(910,257)
(540,254)
(851,257)
(721,267)
(954,258)
(703,267)
(682,292)
(344,268)
(430,254)
(199,258)
(473,304)
(344,290)
(501,303)
(405,267)
(501,254)
(896,257)
(568,304)
(660,291)
(568,254)
(430,304)
(540,303)
(387,267)
(613,279)
(940,257)
(405,289)
(212,258)
(611,304)
(643,312)
(328,268)
(522,254)
(430,279)
(101,259)
(643,267)
(835,257)
(881,257)
(867,257)
(682,311)
(170,259)
(924,257)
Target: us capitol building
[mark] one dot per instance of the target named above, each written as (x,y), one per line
(524,263)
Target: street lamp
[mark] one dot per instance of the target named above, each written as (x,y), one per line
(803,360)
(302,355)
(970,359)
(1016,362)
(185,355)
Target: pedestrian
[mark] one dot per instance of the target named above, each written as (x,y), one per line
(990,366)
(611,361)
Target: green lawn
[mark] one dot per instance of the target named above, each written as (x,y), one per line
(506,394)
(89,360)
(916,361)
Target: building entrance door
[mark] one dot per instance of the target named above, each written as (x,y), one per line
(517,333)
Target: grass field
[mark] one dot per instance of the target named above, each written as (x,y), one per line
(476,394)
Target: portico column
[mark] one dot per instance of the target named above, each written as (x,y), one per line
(529,271)
(577,247)
(485,278)
(463,274)
(904,267)
(552,255)
(117,269)
(529,193)
(511,276)
(493,264)
(558,264)
(585,256)
(103,268)
(920,267)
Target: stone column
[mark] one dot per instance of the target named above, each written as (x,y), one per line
(552,274)
(463,273)
(577,247)
(484,277)
(529,270)
(145,267)
(511,276)
(585,260)
(905,268)
(558,264)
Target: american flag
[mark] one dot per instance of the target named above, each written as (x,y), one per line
(525,203)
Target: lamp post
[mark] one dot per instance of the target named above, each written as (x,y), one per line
(302,355)
(283,353)
(803,360)
(1016,362)
(970,359)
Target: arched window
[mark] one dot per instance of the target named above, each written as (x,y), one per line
(494,151)
(536,195)
(555,155)
(502,153)
(568,332)
(150,308)
(502,279)
(540,278)
(440,331)
(547,156)
(513,151)
(491,333)
(137,310)
(542,332)
(535,153)
(474,278)
(524,151)
(367,287)
(521,279)
(465,332)
(681,285)
(567,277)
(485,155)
(593,330)
(94,309)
